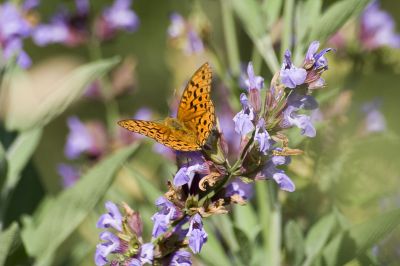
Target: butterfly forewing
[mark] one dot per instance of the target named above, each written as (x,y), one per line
(196,110)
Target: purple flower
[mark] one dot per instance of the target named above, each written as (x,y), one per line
(197,235)
(181,258)
(13,29)
(292,118)
(146,253)
(113,218)
(82,7)
(161,219)
(378,28)
(262,137)
(186,174)
(69,174)
(270,171)
(78,140)
(252,81)
(238,187)
(316,64)
(120,16)
(103,249)
(291,76)
(243,119)
(185,32)
(55,32)
(374,119)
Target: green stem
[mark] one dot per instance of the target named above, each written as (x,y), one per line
(264,212)
(288,26)
(228,24)
(256,59)
(274,238)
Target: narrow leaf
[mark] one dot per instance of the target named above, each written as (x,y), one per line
(3,166)
(45,108)
(8,239)
(294,241)
(357,239)
(335,17)
(271,10)
(19,154)
(213,252)
(246,220)
(318,237)
(150,191)
(62,215)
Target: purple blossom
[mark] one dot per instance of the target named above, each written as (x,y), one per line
(238,187)
(378,28)
(316,64)
(197,235)
(374,119)
(252,81)
(69,174)
(262,137)
(55,32)
(103,249)
(79,139)
(120,16)
(146,253)
(270,171)
(292,118)
(181,258)
(243,119)
(13,29)
(186,174)
(113,218)
(179,28)
(161,219)
(291,76)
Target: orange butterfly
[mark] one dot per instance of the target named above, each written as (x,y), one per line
(195,119)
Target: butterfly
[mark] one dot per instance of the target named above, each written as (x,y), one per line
(195,118)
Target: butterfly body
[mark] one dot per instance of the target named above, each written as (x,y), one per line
(192,126)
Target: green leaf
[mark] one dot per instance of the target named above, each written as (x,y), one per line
(213,252)
(8,239)
(249,12)
(49,106)
(352,242)
(294,241)
(225,227)
(19,154)
(245,252)
(271,10)
(3,166)
(60,216)
(150,191)
(318,236)
(246,220)
(335,17)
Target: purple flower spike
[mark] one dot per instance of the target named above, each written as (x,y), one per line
(284,182)
(262,137)
(147,253)
(291,118)
(197,235)
(291,76)
(243,119)
(78,140)
(69,174)
(186,174)
(111,244)
(181,258)
(238,187)
(113,218)
(253,81)
(120,16)
(378,28)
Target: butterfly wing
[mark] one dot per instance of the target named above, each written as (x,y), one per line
(196,110)
(161,133)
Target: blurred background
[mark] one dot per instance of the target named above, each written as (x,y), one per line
(92,64)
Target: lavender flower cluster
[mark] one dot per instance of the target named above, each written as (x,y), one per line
(206,183)
(70,28)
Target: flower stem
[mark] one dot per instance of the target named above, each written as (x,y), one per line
(275,230)
(228,24)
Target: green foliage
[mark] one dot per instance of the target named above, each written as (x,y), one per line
(9,239)
(54,224)
(65,92)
